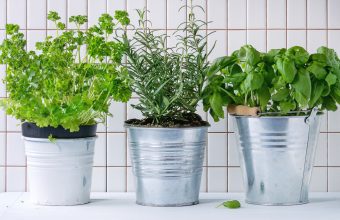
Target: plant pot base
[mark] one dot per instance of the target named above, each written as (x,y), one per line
(168,192)
(276,204)
(175,205)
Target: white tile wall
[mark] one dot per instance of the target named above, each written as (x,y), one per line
(217,12)
(15,179)
(95,9)
(116,179)
(36,14)
(99,176)
(256,14)
(315,39)
(317,13)
(237,14)
(2,179)
(217,149)
(2,149)
(296,14)
(333,14)
(276,13)
(276,39)
(334,179)
(265,24)
(258,39)
(3,13)
(218,179)
(319,179)
(157,14)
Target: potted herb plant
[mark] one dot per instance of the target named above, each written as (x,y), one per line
(167,145)
(274,98)
(60,95)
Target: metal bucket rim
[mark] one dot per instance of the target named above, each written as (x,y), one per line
(268,117)
(59,139)
(164,128)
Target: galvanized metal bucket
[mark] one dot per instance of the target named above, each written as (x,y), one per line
(59,172)
(167,164)
(276,155)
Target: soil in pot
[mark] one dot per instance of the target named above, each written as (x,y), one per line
(188,120)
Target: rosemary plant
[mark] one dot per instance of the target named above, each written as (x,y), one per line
(169,81)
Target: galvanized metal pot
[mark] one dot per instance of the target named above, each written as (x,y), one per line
(276,155)
(167,164)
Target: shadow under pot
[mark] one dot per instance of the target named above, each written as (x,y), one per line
(276,156)
(167,164)
(60,169)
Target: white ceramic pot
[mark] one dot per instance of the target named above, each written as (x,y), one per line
(59,172)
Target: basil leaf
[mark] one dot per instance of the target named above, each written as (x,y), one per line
(331,79)
(318,70)
(287,69)
(281,94)
(303,87)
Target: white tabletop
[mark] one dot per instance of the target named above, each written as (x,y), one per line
(121,206)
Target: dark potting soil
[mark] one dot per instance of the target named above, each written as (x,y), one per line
(188,120)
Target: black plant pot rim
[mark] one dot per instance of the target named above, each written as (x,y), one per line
(31,130)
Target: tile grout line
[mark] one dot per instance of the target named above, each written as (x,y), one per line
(26,50)
(126,136)
(286,1)
(266,8)
(207,147)
(205,29)
(5,117)
(327,141)
(106,179)
(227,119)
(307,23)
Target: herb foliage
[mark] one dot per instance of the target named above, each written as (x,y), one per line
(57,85)
(281,80)
(169,81)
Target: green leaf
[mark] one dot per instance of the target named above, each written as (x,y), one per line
(287,69)
(303,87)
(298,54)
(331,79)
(249,55)
(232,204)
(317,89)
(281,94)
(53,16)
(264,97)
(253,81)
(219,64)
(318,70)
(235,78)
(329,104)
(287,106)
(217,103)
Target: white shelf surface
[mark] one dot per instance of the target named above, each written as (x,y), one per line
(121,206)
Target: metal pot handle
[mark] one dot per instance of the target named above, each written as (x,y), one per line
(310,119)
